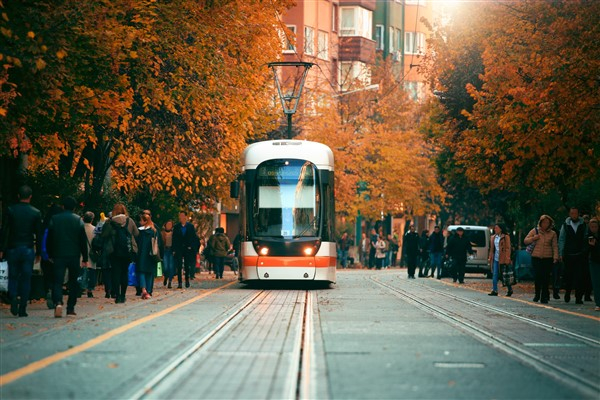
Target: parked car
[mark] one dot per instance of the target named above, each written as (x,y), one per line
(479,236)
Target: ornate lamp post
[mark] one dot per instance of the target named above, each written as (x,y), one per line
(289,86)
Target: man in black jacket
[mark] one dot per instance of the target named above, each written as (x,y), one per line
(184,248)
(410,248)
(22,231)
(68,246)
(458,247)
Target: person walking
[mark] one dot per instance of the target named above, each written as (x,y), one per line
(458,248)
(410,249)
(499,259)
(22,244)
(593,251)
(344,247)
(183,246)
(436,251)
(220,245)
(379,252)
(373,248)
(69,250)
(571,245)
(92,276)
(544,255)
(423,254)
(168,260)
(363,254)
(121,248)
(148,258)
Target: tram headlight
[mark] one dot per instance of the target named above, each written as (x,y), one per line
(308,251)
(264,251)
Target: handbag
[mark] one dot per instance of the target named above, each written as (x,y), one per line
(159,269)
(3,276)
(154,249)
(531,246)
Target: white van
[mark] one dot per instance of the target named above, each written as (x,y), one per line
(479,236)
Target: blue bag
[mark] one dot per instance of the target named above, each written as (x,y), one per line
(132,279)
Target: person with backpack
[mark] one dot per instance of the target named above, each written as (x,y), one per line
(571,249)
(220,245)
(120,247)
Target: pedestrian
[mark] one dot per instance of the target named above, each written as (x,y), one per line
(168,260)
(46,264)
(593,251)
(379,252)
(395,247)
(121,248)
(344,247)
(363,253)
(220,245)
(436,251)
(148,254)
(587,278)
(69,250)
(372,250)
(184,240)
(92,276)
(103,268)
(22,244)
(500,260)
(410,250)
(423,254)
(544,254)
(458,248)
(571,244)
(237,248)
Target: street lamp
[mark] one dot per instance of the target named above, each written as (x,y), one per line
(289,86)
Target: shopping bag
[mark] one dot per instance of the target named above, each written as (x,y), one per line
(159,271)
(132,279)
(3,276)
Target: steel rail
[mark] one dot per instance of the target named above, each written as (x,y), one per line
(550,328)
(587,387)
(180,360)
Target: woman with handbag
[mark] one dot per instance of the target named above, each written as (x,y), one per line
(150,247)
(543,256)
(499,259)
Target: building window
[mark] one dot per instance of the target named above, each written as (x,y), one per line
(289,42)
(414,43)
(335,12)
(379,36)
(391,39)
(354,74)
(309,41)
(356,21)
(415,90)
(323,45)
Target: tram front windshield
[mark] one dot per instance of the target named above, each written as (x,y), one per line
(287,199)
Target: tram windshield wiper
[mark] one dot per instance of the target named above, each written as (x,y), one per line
(311,225)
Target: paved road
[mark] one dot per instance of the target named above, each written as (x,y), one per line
(374,335)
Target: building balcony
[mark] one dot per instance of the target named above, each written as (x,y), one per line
(368,4)
(357,48)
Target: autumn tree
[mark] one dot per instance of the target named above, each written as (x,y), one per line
(518,83)
(382,163)
(162,94)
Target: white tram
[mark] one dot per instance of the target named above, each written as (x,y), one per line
(287,222)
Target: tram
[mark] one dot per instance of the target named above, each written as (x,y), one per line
(287,212)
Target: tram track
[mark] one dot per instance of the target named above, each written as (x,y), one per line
(587,386)
(296,357)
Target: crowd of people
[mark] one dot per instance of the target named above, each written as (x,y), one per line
(75,255)
(563,257)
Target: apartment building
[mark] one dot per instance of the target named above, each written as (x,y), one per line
(344,36)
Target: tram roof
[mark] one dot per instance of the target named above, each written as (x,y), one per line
(317,153)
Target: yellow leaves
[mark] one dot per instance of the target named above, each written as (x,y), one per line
(133,54)
(31,35)
(60,54)
(40,64)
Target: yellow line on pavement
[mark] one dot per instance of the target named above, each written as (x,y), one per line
(562,310)
(45,362)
